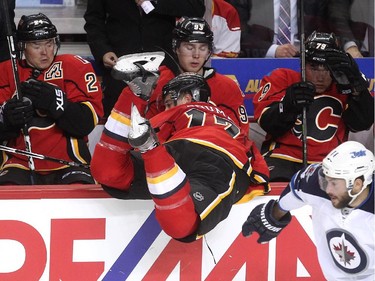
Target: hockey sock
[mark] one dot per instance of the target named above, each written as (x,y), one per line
(170,188)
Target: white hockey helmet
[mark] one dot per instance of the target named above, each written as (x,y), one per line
(349,161)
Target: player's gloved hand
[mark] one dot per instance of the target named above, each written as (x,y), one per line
(45,97)
(345,72)
(261,220)
(297,96)
(17,112)
(141,135)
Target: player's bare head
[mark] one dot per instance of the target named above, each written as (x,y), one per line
(185,84)
(37,34)
(351,163)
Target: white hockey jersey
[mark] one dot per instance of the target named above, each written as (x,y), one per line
(226,27)
(345,238)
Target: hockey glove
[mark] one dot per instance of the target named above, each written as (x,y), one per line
(297,96)
(17,112)
(260,220)
(345,72)
(45,97)
(141,135)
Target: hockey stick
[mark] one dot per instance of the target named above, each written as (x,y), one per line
(177,69)
(42,157)
(13,58)
(303,77)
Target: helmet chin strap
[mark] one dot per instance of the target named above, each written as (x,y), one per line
(355,196)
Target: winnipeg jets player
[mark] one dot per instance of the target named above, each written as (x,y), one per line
(340,191)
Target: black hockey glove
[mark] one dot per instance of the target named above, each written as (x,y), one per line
(345,72)
(17,112)
(260,220)
(45,97)
(297,96)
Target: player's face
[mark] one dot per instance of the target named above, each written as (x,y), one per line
(192,56)
(40,54)
(337,191)
(182,99)
(319,75)
(168,102)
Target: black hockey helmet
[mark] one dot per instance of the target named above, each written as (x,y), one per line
(35,27)
(188,82)
(317,44)
(194,30)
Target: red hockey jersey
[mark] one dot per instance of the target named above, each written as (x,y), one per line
(76,77)
(198,122)
(225,94)
(218,132)
(226,27)
(325,126)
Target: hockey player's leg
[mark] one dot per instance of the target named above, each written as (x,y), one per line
(170,188)
(167,183)
(111,163)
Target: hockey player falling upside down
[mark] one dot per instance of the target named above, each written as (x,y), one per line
(194,174)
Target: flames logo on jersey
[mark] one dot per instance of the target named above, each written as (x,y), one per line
(265,89)
(54,72)
(346,252)
(323,119)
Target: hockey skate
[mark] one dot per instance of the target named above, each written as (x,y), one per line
(139,71)
(141,135)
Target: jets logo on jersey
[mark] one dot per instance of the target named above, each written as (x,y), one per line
(346,253)
(310,170)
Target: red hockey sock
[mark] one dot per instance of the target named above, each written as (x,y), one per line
(117,169)
(170,190)
(177,221)
(157,160)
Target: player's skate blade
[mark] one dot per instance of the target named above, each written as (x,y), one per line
(141,135)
